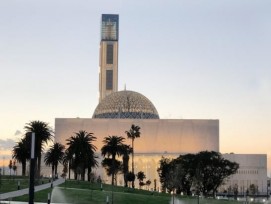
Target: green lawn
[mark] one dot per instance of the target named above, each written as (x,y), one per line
(79,192)
(10,183)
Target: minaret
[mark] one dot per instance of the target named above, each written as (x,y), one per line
(108,76)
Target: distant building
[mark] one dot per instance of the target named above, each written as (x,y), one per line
(252,172)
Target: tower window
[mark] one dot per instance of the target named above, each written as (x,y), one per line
(109,79)
(109,54)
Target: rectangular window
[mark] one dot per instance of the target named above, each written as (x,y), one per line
(109,79)
(109,54)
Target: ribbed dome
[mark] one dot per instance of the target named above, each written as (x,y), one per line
(126,104)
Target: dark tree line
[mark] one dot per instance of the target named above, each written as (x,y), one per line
(203,172)
(21,151)
(80,154)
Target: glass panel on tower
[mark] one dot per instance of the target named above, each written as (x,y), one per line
(110,27)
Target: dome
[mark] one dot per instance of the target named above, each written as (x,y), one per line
(126,104)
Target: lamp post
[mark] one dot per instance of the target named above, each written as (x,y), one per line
(32,170)
(112,192)
(198,196)
(0,177)
(3,166)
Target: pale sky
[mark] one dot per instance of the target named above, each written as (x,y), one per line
(201,59)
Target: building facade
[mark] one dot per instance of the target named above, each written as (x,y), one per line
(118,110)
(159,137)
(252,173)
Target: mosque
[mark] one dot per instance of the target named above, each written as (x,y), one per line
(118,110)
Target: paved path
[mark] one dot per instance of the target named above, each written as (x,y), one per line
(25,191)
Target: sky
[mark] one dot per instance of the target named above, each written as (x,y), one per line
(200,59)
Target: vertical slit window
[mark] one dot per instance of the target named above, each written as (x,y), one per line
(109,79)
(109,54)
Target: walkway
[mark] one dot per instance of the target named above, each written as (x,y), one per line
(25,191)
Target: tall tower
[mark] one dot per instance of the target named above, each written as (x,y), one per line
(108,76)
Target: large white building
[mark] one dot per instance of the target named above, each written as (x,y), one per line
(159,137)
(118,110)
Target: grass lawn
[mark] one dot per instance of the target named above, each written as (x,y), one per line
(10,183)
(80,192)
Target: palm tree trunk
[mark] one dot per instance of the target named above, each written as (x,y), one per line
(53,172)
(69,170)
(125,162)
(89,172)
(23,168)
(113,166)
(83,174)
(55,169)
(133,170)
(38,167)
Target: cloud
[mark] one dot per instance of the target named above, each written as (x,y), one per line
(18,132)
(7,144)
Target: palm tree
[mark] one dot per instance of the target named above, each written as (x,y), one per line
(68,161)
(107,163)
(141,176)
(125,162)
(113,146)
(130,177)
(54,156)
(43,134)
(21,153)
(132,134)
(10,167)
(148,183)
(14,168)
(81,153)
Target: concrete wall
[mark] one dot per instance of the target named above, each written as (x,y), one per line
(252,170)
(157,136)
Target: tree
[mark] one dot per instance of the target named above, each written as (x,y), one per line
(253,189)
(68,161)
(54,156)
(65,170)
(111,169)
(213,170)
(141,176)
(205,171)
(81,153)
(43,134)
(10,166)
(235,191)
(148,183)
(132,134)
(113,146)
(185,173)
(14,167)
(125,162)
(21,153)
(164,171)
(130,177)
(154,181)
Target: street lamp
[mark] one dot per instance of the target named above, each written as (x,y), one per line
(0,177)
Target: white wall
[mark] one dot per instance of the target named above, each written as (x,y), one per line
(157,135)
(252,170)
